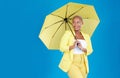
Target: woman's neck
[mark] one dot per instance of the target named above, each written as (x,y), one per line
(77,31)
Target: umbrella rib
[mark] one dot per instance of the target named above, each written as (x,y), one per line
(53,24)
(57,29)
(66,11)
(65,26)
(71,30)
(75,12)
(57,16)
(70,22)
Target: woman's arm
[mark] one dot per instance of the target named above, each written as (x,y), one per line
(84,49)
(64,47)
(72,46)
(89,45)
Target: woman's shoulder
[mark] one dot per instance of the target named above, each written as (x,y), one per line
(85,34)
(66,34)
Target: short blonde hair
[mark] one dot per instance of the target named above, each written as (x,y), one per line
(77,16)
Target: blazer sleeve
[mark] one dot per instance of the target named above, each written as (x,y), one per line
(89,45)
(64,47)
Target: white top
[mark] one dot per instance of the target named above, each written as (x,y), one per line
(77,50)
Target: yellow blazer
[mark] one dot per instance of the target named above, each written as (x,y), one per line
(67,58)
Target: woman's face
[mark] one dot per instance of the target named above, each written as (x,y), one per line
(77,23)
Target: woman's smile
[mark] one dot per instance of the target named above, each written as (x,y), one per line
(77,23)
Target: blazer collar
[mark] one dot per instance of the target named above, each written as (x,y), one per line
(81,32)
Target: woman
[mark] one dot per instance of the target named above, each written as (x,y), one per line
(75,49)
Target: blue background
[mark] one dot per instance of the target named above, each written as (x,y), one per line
(23,55)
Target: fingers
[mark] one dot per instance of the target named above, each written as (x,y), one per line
(77,42)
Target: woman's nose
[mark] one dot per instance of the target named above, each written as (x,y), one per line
(75,24)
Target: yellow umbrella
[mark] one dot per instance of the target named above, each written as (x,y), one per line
(59,21)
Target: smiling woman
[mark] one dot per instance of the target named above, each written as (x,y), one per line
(68,34)
(76,49)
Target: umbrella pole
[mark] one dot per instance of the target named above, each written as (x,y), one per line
(71,31)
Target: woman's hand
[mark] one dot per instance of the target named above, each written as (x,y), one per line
(80,47)
(73,46)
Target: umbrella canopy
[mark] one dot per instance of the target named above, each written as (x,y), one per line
(60,20)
